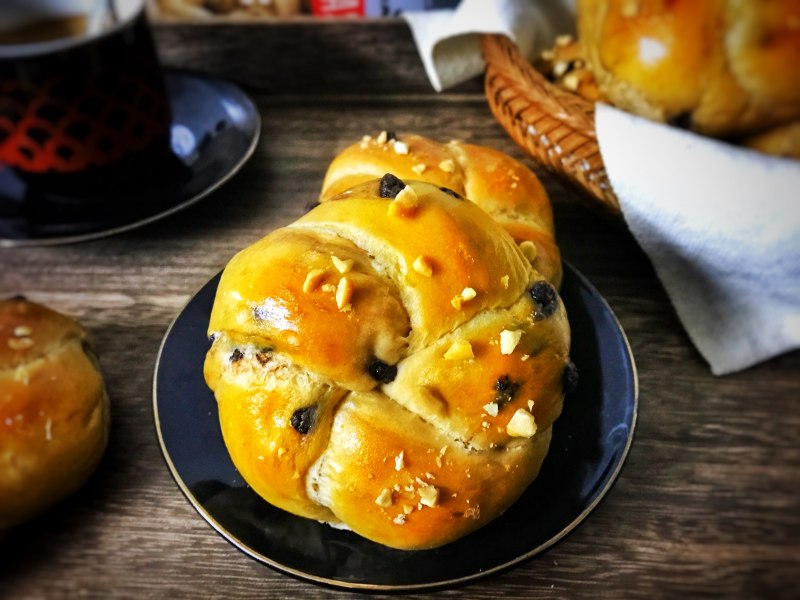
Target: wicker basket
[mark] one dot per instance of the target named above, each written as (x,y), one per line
(554,126)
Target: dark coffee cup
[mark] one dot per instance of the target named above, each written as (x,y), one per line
(83,107)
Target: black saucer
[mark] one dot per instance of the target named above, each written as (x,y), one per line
(590,442)
(214,130)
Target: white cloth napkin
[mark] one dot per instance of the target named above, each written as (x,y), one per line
(720,224)
(449,40)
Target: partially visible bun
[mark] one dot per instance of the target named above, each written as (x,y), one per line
(783,140)
(724,68)
(54,417)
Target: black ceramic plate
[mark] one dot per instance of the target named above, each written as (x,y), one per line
(590,442)
(214,130)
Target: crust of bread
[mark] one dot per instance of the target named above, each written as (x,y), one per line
(387,409)
(724,68)
(54,417)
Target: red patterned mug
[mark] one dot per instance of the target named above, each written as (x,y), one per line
(82,98)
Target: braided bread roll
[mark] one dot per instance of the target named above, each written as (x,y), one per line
(390,363)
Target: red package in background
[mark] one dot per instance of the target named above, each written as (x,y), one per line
(375,8)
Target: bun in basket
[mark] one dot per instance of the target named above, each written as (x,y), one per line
(723,68)
(391,362)
(53,409)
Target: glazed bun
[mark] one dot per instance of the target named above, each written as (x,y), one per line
(53,409)
(724,67)
(391,362)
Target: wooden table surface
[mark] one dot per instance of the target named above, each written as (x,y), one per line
(708,502)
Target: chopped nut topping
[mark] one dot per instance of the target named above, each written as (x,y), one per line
(560,68)
(396,487)
(419,169)
(423,266)
(429,475)
(48,430)
(344,292)
(448,166)
(522,424)
(400,147)
(313,279)
(571,81)
(399,519)
(328,287)
(399,463)
(630,8)
(382,137)
(440,456)
(525,357)
(509,340)
(343,266)
(405,203)
(281,451)
(429,496)
(366,138)
(407,194)
(563,40)
(504,282)
(21,374)
(530,405)
(529,250)
(486,424)
(407,509)
(20,343)
(466,295)
(491,409)
(384,499)
(459,350)
(22,331)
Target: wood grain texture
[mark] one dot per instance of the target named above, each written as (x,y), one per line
(708,503)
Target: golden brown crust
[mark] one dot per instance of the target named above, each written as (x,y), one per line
(394,409)
(521,206)
(723,67)
(783,140)
(53,409)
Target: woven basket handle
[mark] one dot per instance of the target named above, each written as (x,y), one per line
(554,126)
